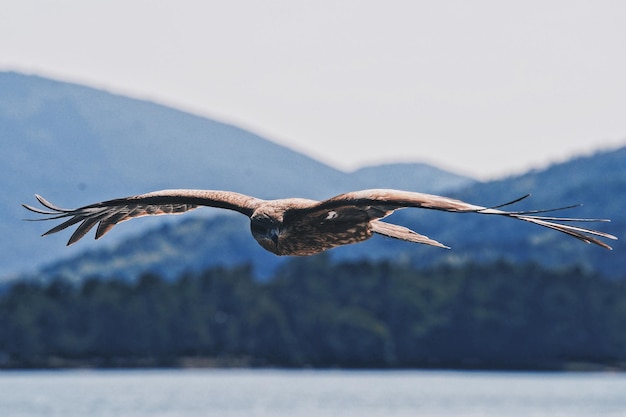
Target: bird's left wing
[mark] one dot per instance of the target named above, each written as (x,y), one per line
(384,202)
(107,214)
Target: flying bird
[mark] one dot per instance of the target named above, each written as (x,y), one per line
(297,226)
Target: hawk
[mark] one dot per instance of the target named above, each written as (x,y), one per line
(297,226)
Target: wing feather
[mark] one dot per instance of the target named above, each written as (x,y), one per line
(403,233)
(107,214)
(390,200)
(85,227)
(72,221)
(107,223)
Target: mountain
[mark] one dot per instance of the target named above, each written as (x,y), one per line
(406,176)
(77,145)
(598,180)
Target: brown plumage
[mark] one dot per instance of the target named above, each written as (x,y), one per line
(296,226)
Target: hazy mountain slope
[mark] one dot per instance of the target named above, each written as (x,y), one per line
(192,244)
(410,176)
(76,145)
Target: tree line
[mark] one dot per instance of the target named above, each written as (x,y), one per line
(318,313)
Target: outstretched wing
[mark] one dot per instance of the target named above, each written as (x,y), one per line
(381,202)
(107,214)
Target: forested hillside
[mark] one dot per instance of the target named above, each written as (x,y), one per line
(318,313)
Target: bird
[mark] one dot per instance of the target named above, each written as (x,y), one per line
(298,226)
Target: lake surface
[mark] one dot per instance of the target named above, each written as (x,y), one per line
(250,393)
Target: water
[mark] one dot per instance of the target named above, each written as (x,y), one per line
(250,393)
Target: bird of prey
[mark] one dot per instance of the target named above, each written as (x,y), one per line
(300,227)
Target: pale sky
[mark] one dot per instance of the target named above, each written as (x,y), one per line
(484,88)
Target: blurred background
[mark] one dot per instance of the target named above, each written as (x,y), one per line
(484,101)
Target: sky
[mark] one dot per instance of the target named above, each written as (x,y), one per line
(482,88)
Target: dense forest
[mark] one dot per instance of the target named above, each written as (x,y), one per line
(317,313)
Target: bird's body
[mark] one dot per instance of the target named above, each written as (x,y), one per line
(296,226)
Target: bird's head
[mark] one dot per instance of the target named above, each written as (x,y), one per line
(266,230)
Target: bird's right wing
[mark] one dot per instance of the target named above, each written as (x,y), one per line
(108,213)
